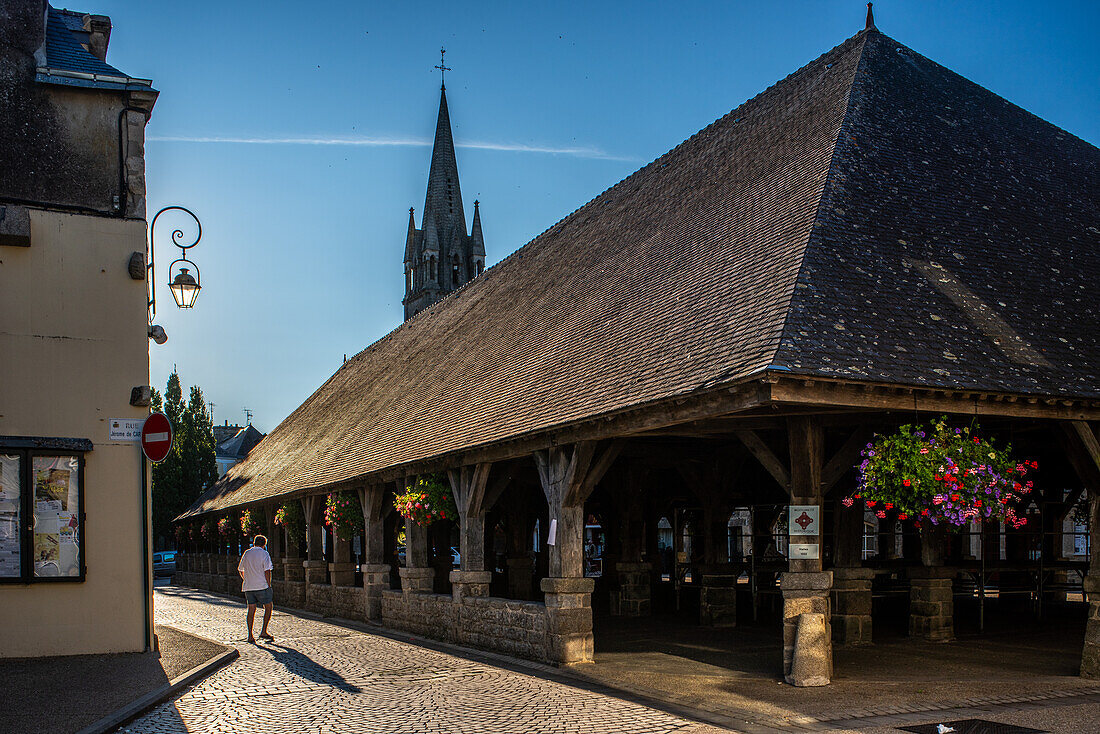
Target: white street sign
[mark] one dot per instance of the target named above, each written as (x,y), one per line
(124,429)
(811,551)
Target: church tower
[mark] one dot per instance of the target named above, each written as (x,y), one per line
(440,257)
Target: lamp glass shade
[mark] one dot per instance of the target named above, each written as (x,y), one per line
(185,289)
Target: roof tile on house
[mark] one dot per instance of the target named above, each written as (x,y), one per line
(873,216)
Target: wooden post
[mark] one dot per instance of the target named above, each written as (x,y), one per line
(316,570)
(807,633)
(376,572)
(469,484)
(1083,450)
(568,476)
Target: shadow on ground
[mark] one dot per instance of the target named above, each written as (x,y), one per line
(737,672)
(65,694)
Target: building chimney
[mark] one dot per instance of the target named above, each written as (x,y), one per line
(99,35)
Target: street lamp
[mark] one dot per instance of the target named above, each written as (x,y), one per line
(185,289)
(184,286)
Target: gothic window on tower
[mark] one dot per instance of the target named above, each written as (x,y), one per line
(433,275)
(454,271)
(409,276)
(480,267)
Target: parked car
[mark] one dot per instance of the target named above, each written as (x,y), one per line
(456,557)
(164,563)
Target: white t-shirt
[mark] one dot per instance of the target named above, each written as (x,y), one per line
(254,562)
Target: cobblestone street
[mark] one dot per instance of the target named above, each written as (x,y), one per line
(319,677)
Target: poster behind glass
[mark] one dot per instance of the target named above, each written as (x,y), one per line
(56,516)
(10,489)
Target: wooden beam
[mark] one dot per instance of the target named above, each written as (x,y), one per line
(498,485)
(468,487)
(845,458)
(764,455)
(883,397)
(1088,441)
(597,468)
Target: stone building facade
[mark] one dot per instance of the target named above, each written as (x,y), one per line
(75,573)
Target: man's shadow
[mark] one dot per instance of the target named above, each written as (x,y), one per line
(304,667)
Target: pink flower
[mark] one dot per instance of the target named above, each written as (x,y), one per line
(847,501)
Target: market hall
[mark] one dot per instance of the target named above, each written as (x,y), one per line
(661,405)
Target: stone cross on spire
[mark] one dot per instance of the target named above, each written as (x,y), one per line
(443,68)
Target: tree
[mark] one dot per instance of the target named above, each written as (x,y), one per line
(190,466)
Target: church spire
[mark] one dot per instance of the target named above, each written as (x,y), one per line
(443,202)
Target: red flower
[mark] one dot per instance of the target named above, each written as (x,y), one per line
(924,512)
(888,505)
(906,482)
(977,440)
(977,503)
(902,516)
(954,498)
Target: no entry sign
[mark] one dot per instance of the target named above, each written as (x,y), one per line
(156,437)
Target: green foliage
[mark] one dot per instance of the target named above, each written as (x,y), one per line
(428,500)
(941,474)
(190,467)
(290,516)
(344,514)
(253,523)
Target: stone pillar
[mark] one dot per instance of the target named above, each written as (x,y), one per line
(376,573)
(807,633)
(569,619)
(417,577)
(1090,655)
(931,604)
(292,560)
(807,637)
(851,619)
(568,475)
(634,589)
(233,580)
(718,597)
(315,568)
(342,569)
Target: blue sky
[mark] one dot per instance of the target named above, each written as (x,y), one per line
(299,134)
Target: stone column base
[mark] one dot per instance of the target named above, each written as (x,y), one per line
(807,637)
(568,619)
(718,600)
(376,578)
(292,570)
(341,574)
(315,572)
(520,576)
(634,591)
(851,599)
(1090,655)
(931,604)
(469,583)
(416,580)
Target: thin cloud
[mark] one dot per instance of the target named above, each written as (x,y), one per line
(575,151)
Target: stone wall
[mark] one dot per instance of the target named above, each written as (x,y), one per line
(345,602)
(503,625)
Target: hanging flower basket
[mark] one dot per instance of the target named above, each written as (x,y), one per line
(344,514)
(252,523)
(942,475)
(290,516)
(225,527)
(427,501)
(210,529)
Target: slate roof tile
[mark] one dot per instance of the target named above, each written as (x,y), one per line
(873,216)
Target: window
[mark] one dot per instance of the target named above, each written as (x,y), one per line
(41,515)
(480,267)
(455,271)
(434,276)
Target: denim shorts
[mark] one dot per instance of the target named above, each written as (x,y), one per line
(263,596)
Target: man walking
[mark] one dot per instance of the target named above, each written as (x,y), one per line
(255,570)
